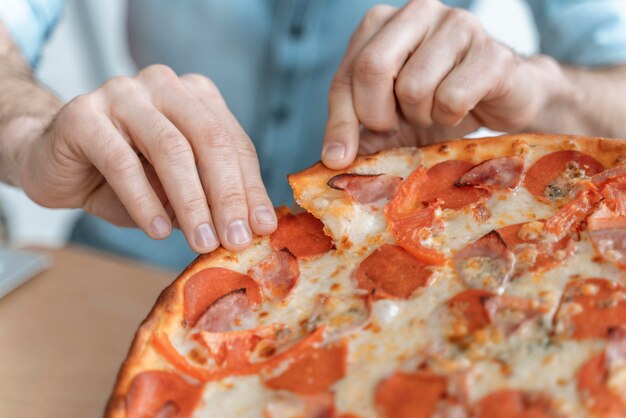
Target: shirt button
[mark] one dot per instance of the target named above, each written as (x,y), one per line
(281,114)
(296,31)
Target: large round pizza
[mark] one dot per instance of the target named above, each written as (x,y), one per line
(471,279)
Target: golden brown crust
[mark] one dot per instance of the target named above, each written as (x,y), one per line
(167,306)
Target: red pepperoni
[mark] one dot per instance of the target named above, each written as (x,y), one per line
(411,212)
(486,263)
(512,403)
(314,371)
(233,350)
(277,274)
(556,175)
(391,272)
(302,234)
(607,228)
(570,217)
(157,393)
(612,174)
(494,174)
(226,313)
(412,227)
(531,250)
(166,349)
(205,287)
(593,378)
(473,309)
(366,188)
(468,309)
(590,309)
(410,395)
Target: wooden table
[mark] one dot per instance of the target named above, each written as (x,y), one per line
(64,334)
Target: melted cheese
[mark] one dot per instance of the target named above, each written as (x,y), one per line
(401,333)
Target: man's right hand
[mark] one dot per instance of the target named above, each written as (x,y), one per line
(156,151)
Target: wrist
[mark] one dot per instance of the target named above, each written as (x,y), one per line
(552,87)
(17,137)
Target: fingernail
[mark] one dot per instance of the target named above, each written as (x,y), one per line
(160,227)
(205,237)
(238,232)
(335,152)
(264,216)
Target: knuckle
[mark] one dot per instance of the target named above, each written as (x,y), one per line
(377,15)
(371,65)
(218,138)
(410,91)
(172,145)
(202,82)
(118,85)
(247,149)
(462,18)
(232,198)
(119,161)
(454,100)
(195,204)
(257,191)
(340,83)
(79,108)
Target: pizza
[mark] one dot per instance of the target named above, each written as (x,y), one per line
(477,278)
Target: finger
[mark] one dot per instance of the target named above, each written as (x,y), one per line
(262,217)
(380,62)
(418,80)
(173,159)
(104,203)
(480,76)
(341,137)
(122,169)
(218,160)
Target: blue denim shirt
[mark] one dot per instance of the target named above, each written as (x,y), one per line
(273,61)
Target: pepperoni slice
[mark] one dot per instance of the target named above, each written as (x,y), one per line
(473,310)
(469,313)
(486,263)
(411,212)
(166,349)
(411,228)
(594,379)
(555,176)
(229,312)
(512,403)
(287,404)
(235,349)
(590,309)
(532,251)
(159,393)
(314,371)
(570,217)
(612,174)
(391,272)
(410,395)
(607,228)
(366,188)
(494,174)
(302,234)
(205,287)
(277,274)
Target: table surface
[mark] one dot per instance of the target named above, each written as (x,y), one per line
(65,333)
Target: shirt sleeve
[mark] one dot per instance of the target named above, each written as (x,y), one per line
(586,33)
(30,22)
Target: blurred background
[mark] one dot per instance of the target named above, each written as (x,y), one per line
(89,46)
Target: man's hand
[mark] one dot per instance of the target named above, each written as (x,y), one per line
(156,151)
(425,73)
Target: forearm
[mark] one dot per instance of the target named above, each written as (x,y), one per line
(26,108)
(591,103)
